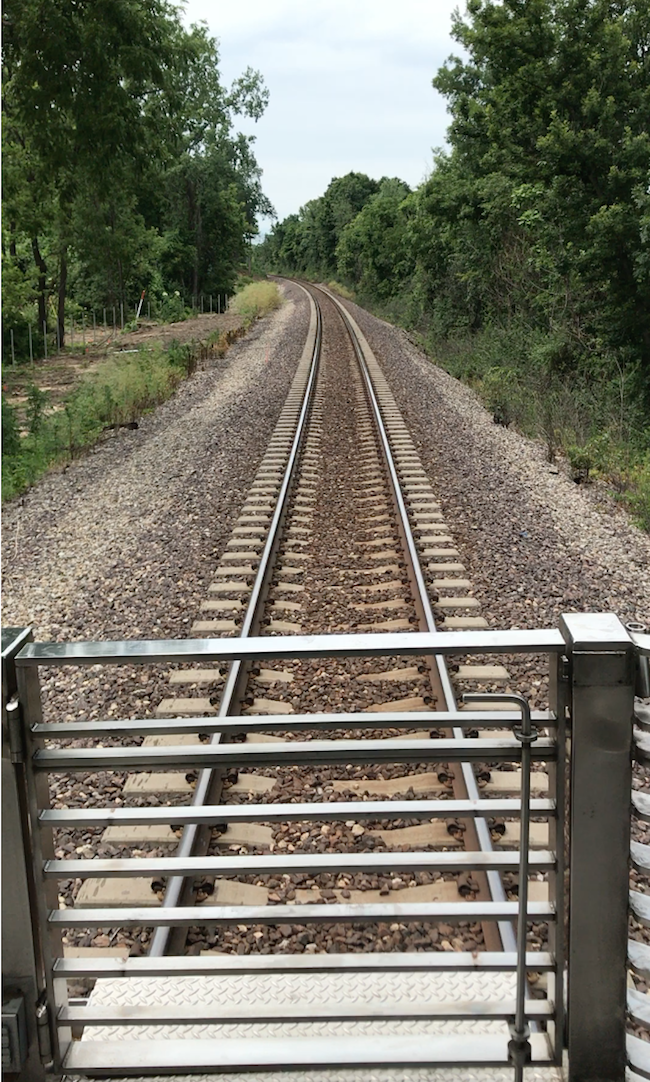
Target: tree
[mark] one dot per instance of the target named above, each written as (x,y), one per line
(373,253)
(110,109)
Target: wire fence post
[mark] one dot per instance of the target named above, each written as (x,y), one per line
(210,304)
(13,351)
(122,314)
(45,338)
(219,304)
(602,666)
(31,347)
(114,322)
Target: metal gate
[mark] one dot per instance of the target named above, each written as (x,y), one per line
(586,743)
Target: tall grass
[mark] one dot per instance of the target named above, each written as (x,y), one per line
(343,291)
(256,299)
(117,392)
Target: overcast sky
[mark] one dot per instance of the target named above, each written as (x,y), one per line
(350,86)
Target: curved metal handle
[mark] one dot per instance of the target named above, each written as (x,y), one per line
(519,1045)
(504,697)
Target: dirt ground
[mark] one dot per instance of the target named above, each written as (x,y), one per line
(59,373)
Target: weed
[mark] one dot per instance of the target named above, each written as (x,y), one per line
(10,430)
(116,392)
(342,291)
(37,400)
(256,299)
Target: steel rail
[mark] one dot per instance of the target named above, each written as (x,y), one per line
(207,777)
(497,892)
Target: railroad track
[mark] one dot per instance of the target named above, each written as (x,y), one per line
(341,532)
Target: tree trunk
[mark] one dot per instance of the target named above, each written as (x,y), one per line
(42,281)
(63,282)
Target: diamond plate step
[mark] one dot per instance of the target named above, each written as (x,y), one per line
(385,1049)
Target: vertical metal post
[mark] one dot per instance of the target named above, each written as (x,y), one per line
(558,843)
(122,314)
(602,701)
(219,304)
(114,321)
(210,304)
(21,970)
(42,849)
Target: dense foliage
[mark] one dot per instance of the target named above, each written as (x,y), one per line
(523,259)
(122,169)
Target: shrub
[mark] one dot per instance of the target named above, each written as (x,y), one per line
(638,497)
(37,400)
(171,308)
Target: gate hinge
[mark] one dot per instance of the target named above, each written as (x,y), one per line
(15,732)
(564,669)
(43,1030)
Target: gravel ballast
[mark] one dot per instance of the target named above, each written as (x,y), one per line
(123,542)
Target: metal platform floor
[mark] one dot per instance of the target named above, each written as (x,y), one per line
(261,1049)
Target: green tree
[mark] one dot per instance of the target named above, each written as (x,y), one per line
(373,252)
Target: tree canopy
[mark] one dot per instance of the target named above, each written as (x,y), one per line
(122,169)
(525,252)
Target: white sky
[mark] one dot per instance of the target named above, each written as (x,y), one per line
(350,86)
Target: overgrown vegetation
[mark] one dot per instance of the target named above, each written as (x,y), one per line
(523,262)
(122,167)
(117,392)
(256,299)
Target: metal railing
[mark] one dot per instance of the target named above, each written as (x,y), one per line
(592,664)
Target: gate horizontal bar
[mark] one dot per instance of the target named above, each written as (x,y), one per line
(320,752)
(309,864)
(155,651)
(211,814)
(202,1014)
(412,719)
(202,915)
(216,964)
(177,1056)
